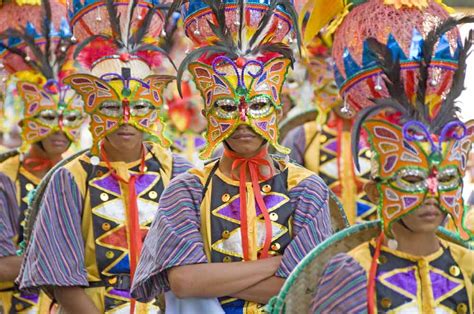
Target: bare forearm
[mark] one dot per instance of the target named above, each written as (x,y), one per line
(262,292)
(10,267)
(74,300)
(218,279)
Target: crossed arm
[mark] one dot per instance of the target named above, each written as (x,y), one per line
(252,281)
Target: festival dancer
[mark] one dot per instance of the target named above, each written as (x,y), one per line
(97,208)
(246,220)
(51,121)
(420,151)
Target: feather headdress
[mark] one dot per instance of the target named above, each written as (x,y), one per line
(417,108)
(238,29)
(118,33)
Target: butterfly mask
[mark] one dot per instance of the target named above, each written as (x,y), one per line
(114,100)
(412,165)
(49,109)
(240,93)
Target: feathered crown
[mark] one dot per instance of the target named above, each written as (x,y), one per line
(415,114)
(114,33)
(38,58)
(43,48)
(237,29)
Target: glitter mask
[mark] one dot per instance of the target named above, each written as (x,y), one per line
(244,94)
(412,168)
(114,100)
(49,109)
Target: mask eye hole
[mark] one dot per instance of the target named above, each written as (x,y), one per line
(72,119)
(258,106)
(111,108)
(413,179)
(449,179)
(226,108)
(410,180)
(48,117)
(140,108)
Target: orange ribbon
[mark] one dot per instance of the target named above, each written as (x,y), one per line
(134,231)
(252,164)
(372,275)
(35,164)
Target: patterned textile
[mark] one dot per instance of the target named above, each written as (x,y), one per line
(83,216)
(437,283)
(175,236)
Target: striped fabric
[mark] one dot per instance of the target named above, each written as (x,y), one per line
(55,255)
(175,239)
(296,141)
(9,214)
(342,288)
(180,165)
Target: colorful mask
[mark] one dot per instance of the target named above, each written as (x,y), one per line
(240,71)
(235,95)
(113,102)
(410,170)
(37,58)
(121,52)
(419,153)
(49,110)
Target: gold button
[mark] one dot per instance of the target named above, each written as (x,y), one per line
(145,169)
(382,259)
(227,259)
(105,226)
(273,216)
(386,303)
(454,270)
(109,254)
(225,197)
(323,158)
(113,280)
(225,234)
(266,188)
(276,246)
(29,187)
(104,197)
(461,308)
(323,138)
(19,307)
(153,195)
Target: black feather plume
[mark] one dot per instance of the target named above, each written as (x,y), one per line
(46,29)
(114,18)
(449,110)
(391,69)
(143,29)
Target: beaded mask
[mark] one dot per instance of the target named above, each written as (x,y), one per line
(239,65)
(409,168)
(114,100)
(47,113)
(122,52)
(236,95)
(38,57)
(418,153)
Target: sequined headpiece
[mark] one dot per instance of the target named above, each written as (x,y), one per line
(418,152)
(37,57)
(121,48)
(239,64)
(402,26)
